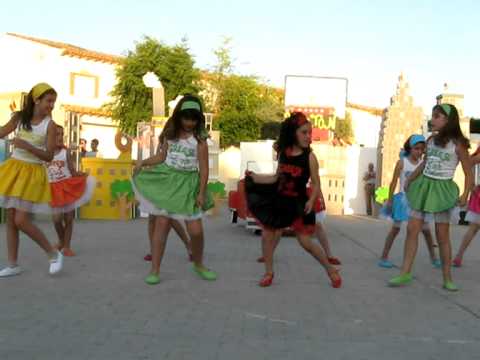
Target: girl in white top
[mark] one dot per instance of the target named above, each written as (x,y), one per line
(24,187)
(70,189)
(175,185)
(410,159)
(432,191)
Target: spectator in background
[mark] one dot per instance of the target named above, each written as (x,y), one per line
(83,147)
(370,180)
(94,146)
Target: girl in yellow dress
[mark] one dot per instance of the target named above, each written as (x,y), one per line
(24,186)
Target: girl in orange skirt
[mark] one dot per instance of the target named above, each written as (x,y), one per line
(70,190)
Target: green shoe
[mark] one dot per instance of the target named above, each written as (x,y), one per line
(152,279)
(205,273)
(450,286)
(400,280)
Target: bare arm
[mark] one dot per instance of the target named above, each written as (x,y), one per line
(415,173)
(314,177)
(475,159)
(70,165)
(44,155)
(396,175)
(464,158)
(10,126)
(158,158)
(203,165)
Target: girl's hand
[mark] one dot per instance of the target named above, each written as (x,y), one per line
(200,200)
(309,206)
(462,201)
(21,144)
(138,167)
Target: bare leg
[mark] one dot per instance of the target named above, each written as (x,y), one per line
(443,237)
(411,244)
(317,252)
(389,241)
(467,239)
(182,234)
(270,240)
(159,240)
(195,231)
(429,241)
(323,239)
(12,238)
(151,229)
(24,224)
(68,219)
(313,249)
(60,229)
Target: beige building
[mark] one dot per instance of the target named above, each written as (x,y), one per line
(400,120)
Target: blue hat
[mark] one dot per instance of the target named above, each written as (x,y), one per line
(415,139)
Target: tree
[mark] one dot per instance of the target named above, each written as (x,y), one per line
(344,129)
(172,64)
(236,126)
(242,104)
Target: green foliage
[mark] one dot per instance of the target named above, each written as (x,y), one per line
(242,104)
(132,100)
(270,130)
(217,188)
(236,126)
(120,188)
(344,128)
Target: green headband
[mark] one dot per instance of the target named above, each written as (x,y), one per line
(447,108)
(40,89)
(190,105)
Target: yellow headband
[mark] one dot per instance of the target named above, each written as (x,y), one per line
(40,89)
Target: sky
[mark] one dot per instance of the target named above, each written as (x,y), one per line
(368,42)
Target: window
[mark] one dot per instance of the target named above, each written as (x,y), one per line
(84,85)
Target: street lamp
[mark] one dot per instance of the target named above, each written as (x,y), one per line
(152,81)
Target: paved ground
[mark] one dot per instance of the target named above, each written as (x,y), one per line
(99,308)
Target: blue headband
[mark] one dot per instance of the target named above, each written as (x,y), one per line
(415,139)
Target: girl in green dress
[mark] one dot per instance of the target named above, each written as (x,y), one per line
(175,184)
(431,191)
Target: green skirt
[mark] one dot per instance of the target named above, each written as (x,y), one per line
(166,191)
(431,195)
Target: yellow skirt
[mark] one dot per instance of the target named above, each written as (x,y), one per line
(24,186)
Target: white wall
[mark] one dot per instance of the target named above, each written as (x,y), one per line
(366,128)
(358,159)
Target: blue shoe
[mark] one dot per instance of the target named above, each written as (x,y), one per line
(385,263)
(437,264)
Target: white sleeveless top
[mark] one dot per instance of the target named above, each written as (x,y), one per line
(58,169)
(408,169)
(182,154)
(441,161)
(37,137)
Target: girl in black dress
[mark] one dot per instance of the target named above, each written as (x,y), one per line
(280,201)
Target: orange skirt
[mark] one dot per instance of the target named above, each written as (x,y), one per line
(71,193)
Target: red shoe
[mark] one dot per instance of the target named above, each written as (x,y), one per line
(334,261)
(261,259)
(68,252)
(457,262)
(335,279)
(266,280)
(148,257)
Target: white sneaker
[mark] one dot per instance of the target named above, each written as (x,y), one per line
(56,264)
(10,271)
